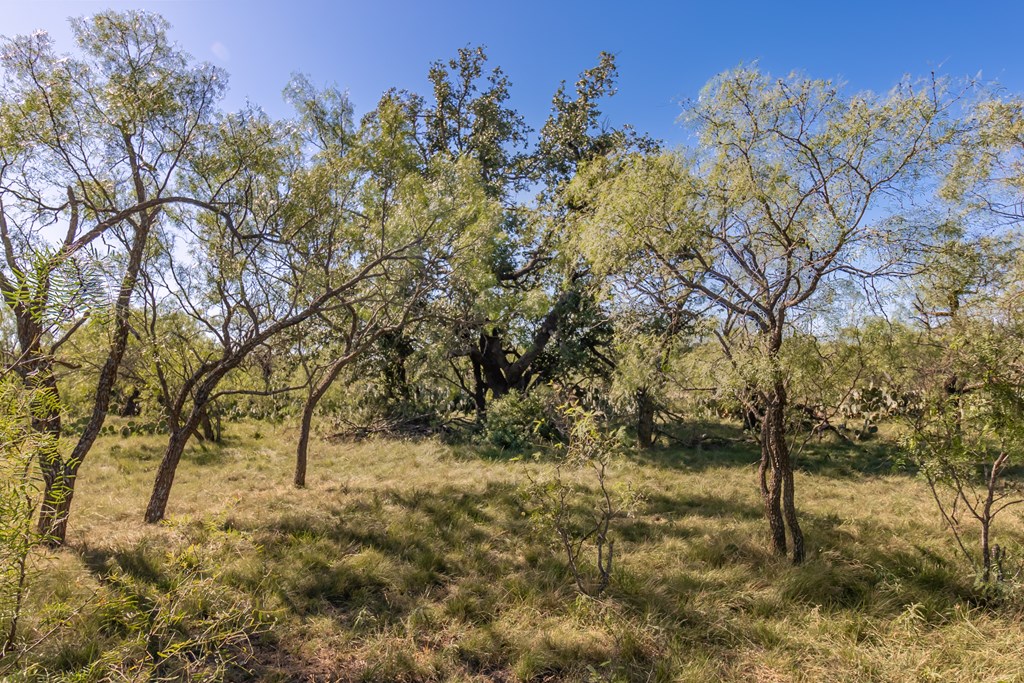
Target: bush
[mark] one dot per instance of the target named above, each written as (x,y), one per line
(574,501)
(516,420)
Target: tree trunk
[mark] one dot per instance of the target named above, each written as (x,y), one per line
(165,474)
(206,424)
(303,447)
(131,406)
(494,365)
(775,454)
(56,506)
(491,366)
(312,399)
(771,495)
(644,419)
(986,551)
(46,421)
(986,519)
(479,391)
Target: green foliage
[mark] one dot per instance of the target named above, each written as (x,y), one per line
(969,439)
(162,612)
(412,559)
(20,492)
(516,421)
(451,265)
(575,501)
(190,626)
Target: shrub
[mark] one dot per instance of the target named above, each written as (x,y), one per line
(516,420)
(581,520)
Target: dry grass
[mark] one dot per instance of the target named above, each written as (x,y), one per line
(414,561)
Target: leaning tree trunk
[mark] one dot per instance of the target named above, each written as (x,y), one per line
(778,496)
(305,427)
(180,434)
(60,489)
(165,474)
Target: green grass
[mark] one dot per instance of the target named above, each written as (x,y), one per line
(413,560)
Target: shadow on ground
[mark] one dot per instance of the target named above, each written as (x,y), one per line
(466,577)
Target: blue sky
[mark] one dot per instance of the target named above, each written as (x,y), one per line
(666,50)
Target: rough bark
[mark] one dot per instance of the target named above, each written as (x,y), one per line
(59,490)
(645,410)
(779,503)
(204,383)
(771,496)
(165,474)
(47,421)
(301,454)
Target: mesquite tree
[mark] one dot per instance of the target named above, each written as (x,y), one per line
(92,147)
(300,236)
(390,189)
(582,522)
(794,186)
(969,435)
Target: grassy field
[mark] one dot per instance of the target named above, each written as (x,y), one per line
(413,560)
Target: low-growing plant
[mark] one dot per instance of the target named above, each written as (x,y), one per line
(581,517)
(157,615)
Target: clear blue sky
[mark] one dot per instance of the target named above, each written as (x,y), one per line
(666,50)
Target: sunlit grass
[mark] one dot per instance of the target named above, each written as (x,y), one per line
(413,560)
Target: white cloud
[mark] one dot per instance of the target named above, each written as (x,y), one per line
(220,51)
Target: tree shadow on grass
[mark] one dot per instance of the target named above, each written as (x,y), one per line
(382,560)
(713,445)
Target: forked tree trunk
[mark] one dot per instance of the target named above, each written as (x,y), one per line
(60,475)
(778,496)
(492,370)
